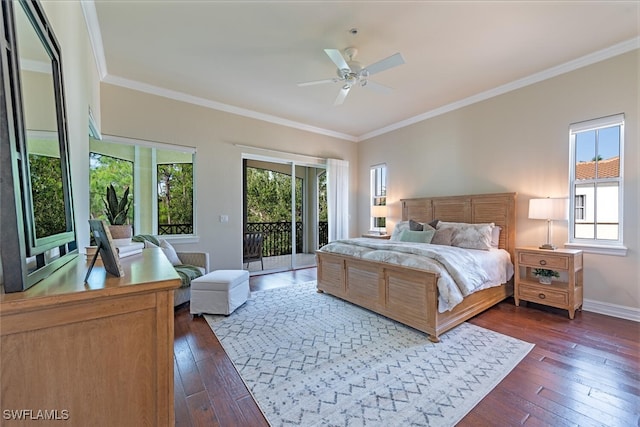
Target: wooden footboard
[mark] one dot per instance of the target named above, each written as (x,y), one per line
(407,295)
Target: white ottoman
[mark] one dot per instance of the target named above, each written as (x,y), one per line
(219,292)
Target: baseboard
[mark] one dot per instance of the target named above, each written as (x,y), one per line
(621,311)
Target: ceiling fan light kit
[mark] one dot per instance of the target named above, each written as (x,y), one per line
(350,72)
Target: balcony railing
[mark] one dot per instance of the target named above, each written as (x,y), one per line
(175,229)
(278,236)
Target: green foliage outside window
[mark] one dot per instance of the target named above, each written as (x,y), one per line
(175,193)
(269,196)
(47,195)
(104,171)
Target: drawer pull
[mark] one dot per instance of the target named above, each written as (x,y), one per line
(542,296)
(543,262)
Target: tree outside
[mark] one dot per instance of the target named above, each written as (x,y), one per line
(105,170)
(175,196)
(47,195)
(269,196)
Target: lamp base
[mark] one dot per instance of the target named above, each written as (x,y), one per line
(548,246)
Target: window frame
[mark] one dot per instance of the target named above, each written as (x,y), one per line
(378,192)
(595,245)
(153,214)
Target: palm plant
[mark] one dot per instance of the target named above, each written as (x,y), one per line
(116,209)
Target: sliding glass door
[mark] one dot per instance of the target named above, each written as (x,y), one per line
(280,205)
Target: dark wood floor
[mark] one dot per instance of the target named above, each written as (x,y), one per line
(582,372)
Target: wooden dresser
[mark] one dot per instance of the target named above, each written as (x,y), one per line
(99,354)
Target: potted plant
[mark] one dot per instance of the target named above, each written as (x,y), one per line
(116,209)
(545,276)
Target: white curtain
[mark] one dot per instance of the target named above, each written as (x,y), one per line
(338,199)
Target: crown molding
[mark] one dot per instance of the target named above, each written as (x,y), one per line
(589,59)
(95,36)
(180,96)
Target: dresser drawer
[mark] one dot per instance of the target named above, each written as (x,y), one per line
(548,261)
(543,295)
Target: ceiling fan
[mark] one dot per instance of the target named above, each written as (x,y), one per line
(351,73)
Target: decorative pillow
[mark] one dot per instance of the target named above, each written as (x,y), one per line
(443,237)
(434,223)
(415,225)
(169,252)
(469,236)
(406,225)
(495,236)
(415,236)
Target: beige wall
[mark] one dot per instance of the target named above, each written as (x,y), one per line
(218,178)
(519,142)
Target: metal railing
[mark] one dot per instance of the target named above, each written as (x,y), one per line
(175,229)
(278,236)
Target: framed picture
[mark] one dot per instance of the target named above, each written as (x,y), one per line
(106,249)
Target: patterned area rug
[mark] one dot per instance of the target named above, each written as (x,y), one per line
(311,359)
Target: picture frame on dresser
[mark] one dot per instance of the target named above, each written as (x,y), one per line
(106,249)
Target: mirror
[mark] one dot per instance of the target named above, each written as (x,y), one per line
(37,226)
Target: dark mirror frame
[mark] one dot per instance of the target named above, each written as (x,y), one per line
(27,259)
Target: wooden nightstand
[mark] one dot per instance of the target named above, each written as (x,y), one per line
(377,236)
(565,293)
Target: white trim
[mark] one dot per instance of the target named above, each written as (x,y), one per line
(598,249)
(614,310)
(95,36)
(36,66)
(215,105)
(602,122)
(589,59)
(149,144)
(276,153)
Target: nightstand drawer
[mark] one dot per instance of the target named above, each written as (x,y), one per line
(539,260)
(543,295)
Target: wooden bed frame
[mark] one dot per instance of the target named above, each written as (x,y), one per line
(409,295)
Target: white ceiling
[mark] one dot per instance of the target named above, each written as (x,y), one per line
(247,56)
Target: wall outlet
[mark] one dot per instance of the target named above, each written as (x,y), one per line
(224,218)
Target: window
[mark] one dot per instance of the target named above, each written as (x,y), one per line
(163,197)
(596,181)
(579,207)
(175,198)
(378,194)
(105,170)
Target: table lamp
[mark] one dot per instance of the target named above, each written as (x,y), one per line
(550,209)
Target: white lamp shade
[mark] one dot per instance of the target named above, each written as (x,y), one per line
(379,211)
(549,208)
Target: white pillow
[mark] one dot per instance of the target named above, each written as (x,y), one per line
(469,236)
(406,225)
(169,252)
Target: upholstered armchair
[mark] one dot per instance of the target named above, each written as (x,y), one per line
(197,259)
(188,265)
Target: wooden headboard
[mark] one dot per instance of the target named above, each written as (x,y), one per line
(499,208)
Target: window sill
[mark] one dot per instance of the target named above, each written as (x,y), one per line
(599,249)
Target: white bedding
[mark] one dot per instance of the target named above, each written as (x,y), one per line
(462,271)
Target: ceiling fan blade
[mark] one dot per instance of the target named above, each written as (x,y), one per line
(317,82)
(378,87)
(337,58)
(344,91)
(384,64)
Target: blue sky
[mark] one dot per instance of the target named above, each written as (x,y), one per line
(608,144)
